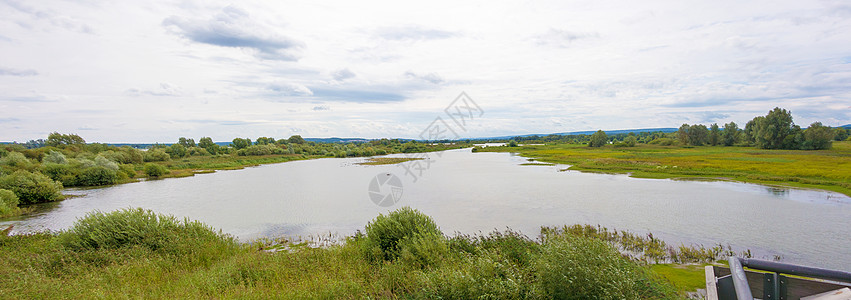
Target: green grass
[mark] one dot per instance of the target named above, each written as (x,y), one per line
(688,277)
(135,253)
(819,169)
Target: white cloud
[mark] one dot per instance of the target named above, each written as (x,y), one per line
(260,68)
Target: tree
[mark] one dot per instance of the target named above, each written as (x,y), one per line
(598,139)
(296,139)
(840,134)
(630,141)
(155,170)
(714,134)
(731,133)
(817,137)
(682,134)
(56,139)
(239,143)
(207,143)
(31,187)
(773,130)
(264,140)
(698,135)
(176,150)
(186,143)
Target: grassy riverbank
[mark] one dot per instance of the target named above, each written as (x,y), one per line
(135,253)
(820,169)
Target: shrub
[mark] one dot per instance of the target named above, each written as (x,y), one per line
(127,169)
(156,155)
(8,202)
(155,170)
(64,173)
(402,228)
(572,267)
(136,227)
(31,187)
(15,161)
(98,175)
(55,157)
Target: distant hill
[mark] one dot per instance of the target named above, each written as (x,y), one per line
(847,126)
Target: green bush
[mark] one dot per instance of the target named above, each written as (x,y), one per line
(96,176)
(15,161)
(405,229)
(572,267)
(64,173)
(156,155)
(8,202)
(136,227)
(155,170)
(31,187)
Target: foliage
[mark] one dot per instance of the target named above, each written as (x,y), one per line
(176,151)
(155,170)
(56,139)
(138,252)
(598,139)
(31,187)
(580,268)
(239,143)
(8,202)
(396,232)
(630,141)
(97,175)
(714,135)
(15,161)
(731,134)
(296,139)
(262,149)
(135,227)
(818,137)
(55,157)
(156,155)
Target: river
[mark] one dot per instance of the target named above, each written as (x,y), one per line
(479,192)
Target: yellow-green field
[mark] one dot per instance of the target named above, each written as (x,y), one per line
(821,169)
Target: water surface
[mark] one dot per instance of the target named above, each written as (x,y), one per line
(479,192)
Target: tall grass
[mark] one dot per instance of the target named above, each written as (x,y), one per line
(138,253)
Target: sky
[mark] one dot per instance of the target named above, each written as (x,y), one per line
(153,71)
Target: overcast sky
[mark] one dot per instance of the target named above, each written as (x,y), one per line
(152,71)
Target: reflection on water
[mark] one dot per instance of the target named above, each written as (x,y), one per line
(472,192)
(777,191)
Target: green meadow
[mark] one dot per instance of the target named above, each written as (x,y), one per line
(820,169)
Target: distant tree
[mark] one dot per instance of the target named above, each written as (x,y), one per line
(208,144)
(186,142)
(56,139)
(239,143)
(157,154)
(817,137)
(840,134)
(731,133)
(752,129)
(264,141)
(698,135)
(773,130)
(598,139)
(682,134)
(630,141)
(714,134)
(296,139)
(176,150)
